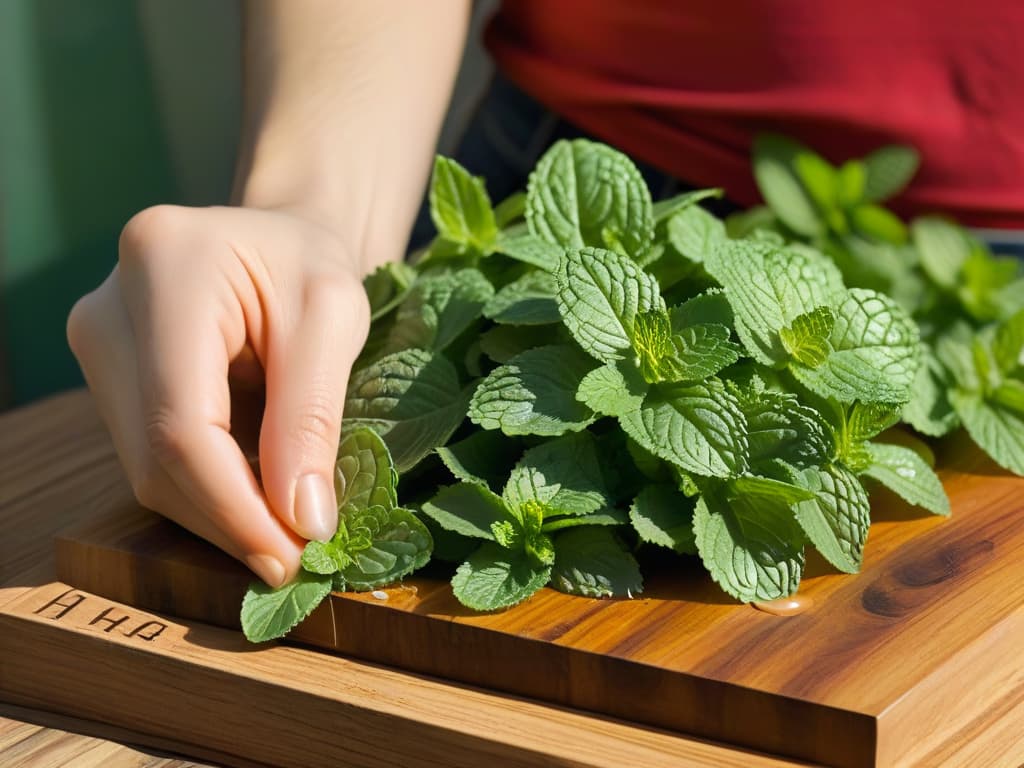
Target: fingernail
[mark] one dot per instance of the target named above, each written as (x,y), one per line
(316,516)
(268,568)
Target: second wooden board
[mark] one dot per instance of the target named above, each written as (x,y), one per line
(881,669)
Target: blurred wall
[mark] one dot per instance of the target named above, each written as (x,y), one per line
(107,107)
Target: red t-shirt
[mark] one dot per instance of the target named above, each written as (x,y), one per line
(686,85)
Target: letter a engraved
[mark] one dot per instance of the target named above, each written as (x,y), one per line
(103,617)
(65,607)
(156,628)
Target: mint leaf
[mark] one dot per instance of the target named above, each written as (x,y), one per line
(534,393)
(669,207)
(504,342)
(929,410)
(700,428)
(865,420)
(363,474)
(889,170)
(411,398)
(530,249)
(751,546)
(837,519)
(494,577)
(693,232)
(511,209)
(562,475)
(780,427)
(484,457)
(876,223)
(651,332)
(774,163)
(874,352)
(999,430)
(583,193)
(709,307)
(400,544)
(439,308)
(600,294)
(468,509)
(387,286)
(609,517)
(905,473)
(768,288)
(662,515)
(614,389)
(591,562)
(460,207)
(819,179)
(806,339)
(851,182)
(698,351)
(1008,345)
(271,613)
(530,300)
(943,247)
(323,557)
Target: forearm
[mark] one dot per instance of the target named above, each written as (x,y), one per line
(343,103)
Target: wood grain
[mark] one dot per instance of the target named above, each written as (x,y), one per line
(888,667)
(202,691)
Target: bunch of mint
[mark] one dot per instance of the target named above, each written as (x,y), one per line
(578,375)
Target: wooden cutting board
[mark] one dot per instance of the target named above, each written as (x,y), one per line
(918,653)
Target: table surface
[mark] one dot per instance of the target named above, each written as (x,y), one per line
(67,427)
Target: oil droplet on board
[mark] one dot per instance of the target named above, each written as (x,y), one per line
(786,606)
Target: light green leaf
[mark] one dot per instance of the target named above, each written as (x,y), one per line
(651,341)
(837,519)
(876,223)
(534,393)
(400,545)
(494,577)
(700,428)
(865,420)
(943,247)
(1008,346)
(411,399)
(271,613)
(851,180)
(874,352)
(468,509)
(591,562)
(698,352)
(364,474)
(583,193)
(484,457)
(460,207)
(929,410)
(670,206)
(769,287)
(752,546)
(563,475)
(905,473)
(889,170)
(819,178)
(511,209)
(662,515)
(530,300)
(323,557)
(774,170)
(600,294)
(609,517)
(711,306)
(806,339)
(997,429)
(439,308)
(530,249)
(613,389)
(693,232)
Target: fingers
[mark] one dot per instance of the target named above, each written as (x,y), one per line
(307,369)
(188,325)
(100,335)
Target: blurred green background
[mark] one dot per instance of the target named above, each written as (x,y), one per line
(106,107)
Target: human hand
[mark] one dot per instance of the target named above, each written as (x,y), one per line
(199,292)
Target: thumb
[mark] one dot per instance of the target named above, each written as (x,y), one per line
(306,377)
